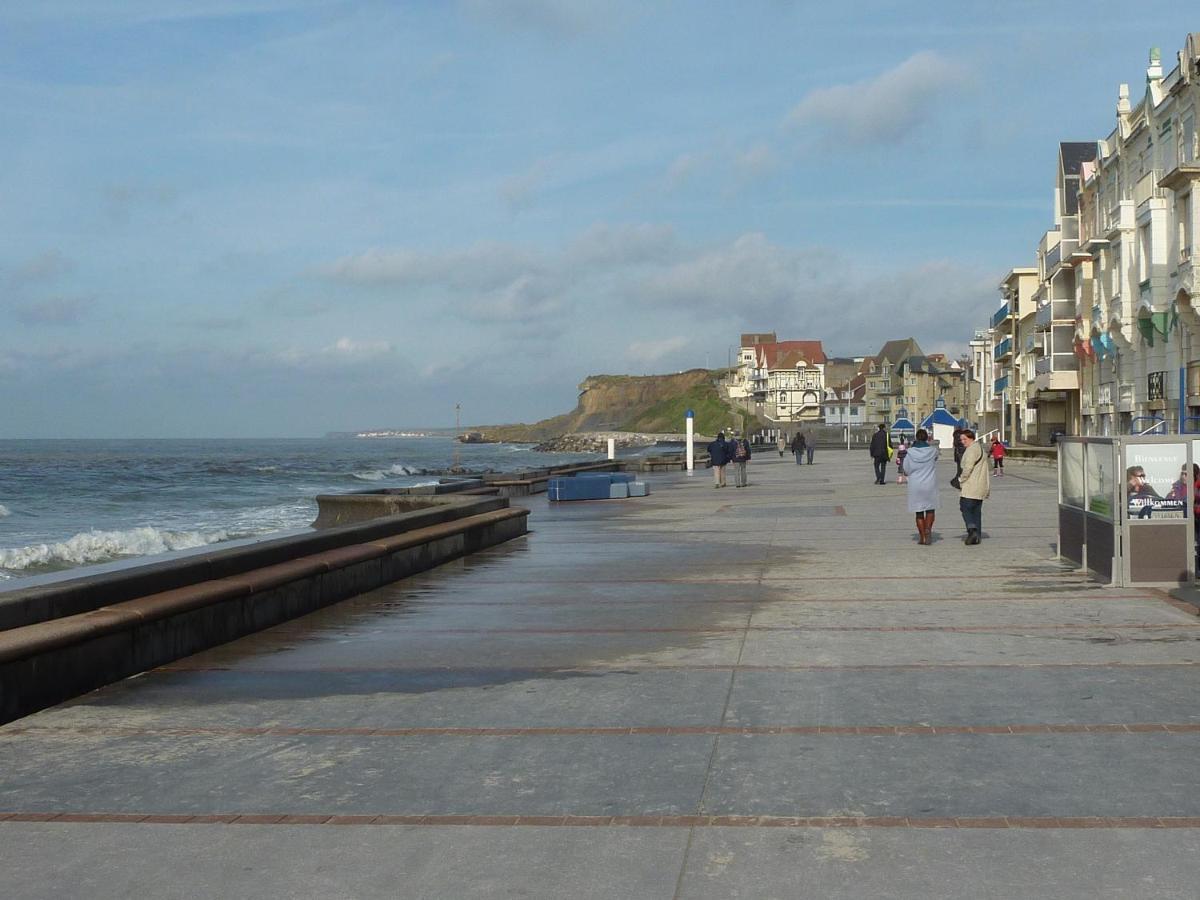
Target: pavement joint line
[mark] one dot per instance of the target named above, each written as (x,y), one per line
(898,730)
(737,629)
(801,580)
(672,667)
(613,821)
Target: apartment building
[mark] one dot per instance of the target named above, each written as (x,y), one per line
(883,397)
(1109,341)
(1137,299)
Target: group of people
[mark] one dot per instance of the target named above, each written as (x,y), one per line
(916,466)
(732,451)
(802,447)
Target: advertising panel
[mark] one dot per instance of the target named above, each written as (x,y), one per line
(1101,479)
(1156,481)
(1072,473)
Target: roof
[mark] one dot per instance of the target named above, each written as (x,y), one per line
(1073,154)
(894,351)
(941,416)
(769,353)
(790,360)
(758,337)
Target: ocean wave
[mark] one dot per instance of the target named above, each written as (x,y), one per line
(102,546)
(4,511)
(395,471)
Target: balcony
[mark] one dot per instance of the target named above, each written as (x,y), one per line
(1043,366)
(1181,176)
(1004,312)
(1125,398)
(1147,188)
(1003,349)
(1000,385)
(1035,343)
(1053,258)
(1042,318)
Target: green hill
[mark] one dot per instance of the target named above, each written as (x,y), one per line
(643,403)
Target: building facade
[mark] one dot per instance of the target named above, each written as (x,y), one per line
(1109,342)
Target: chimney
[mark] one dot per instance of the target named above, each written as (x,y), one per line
(1154,75)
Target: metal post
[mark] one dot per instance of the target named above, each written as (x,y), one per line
(690,423)
(612,448)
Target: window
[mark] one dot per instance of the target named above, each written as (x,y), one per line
(1144,253)
(1187,138)
(1183,215)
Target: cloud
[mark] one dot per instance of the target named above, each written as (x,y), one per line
(519,191)
(47,266)
(591,289)
(885,108)
(756,162)
(650,352)
(482,266)
(603,245)
(54,311)
(552,18)
(525,299)
(122,201)
(683,169)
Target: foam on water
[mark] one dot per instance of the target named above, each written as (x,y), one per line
(4,511)
(102,546)
(395,471)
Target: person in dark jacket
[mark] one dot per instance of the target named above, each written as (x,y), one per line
(798,446)
(718,456)
(741,456)
(959,449)
(881,449)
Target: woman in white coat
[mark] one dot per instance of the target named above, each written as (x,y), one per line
(920,465)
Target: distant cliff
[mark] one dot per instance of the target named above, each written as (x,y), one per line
(644,403)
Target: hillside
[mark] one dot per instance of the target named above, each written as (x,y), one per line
(643,403)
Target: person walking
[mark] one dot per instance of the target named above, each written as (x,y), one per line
(901,451)
(996,451)
(741,456)
(958,452)
(798,447)
(781,444)
(881,452)
(920,468)
(718,456)
(975,486)
(810,446)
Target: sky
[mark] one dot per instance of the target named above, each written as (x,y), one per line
(270,218)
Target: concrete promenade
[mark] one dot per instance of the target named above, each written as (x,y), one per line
(769,692)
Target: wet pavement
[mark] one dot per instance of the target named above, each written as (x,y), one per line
(760,692)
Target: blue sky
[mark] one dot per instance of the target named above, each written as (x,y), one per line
(282,217)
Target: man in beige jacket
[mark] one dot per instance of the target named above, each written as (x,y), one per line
(975,486)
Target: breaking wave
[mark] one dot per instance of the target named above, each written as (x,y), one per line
(393,472)
(4,511)
(102,546)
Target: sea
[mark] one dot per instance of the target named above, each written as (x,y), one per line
(70,503)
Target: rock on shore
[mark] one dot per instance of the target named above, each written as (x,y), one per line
(597,441)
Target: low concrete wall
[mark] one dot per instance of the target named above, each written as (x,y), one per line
(1038,456)
(76,594)
(534,481)
(45,663)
